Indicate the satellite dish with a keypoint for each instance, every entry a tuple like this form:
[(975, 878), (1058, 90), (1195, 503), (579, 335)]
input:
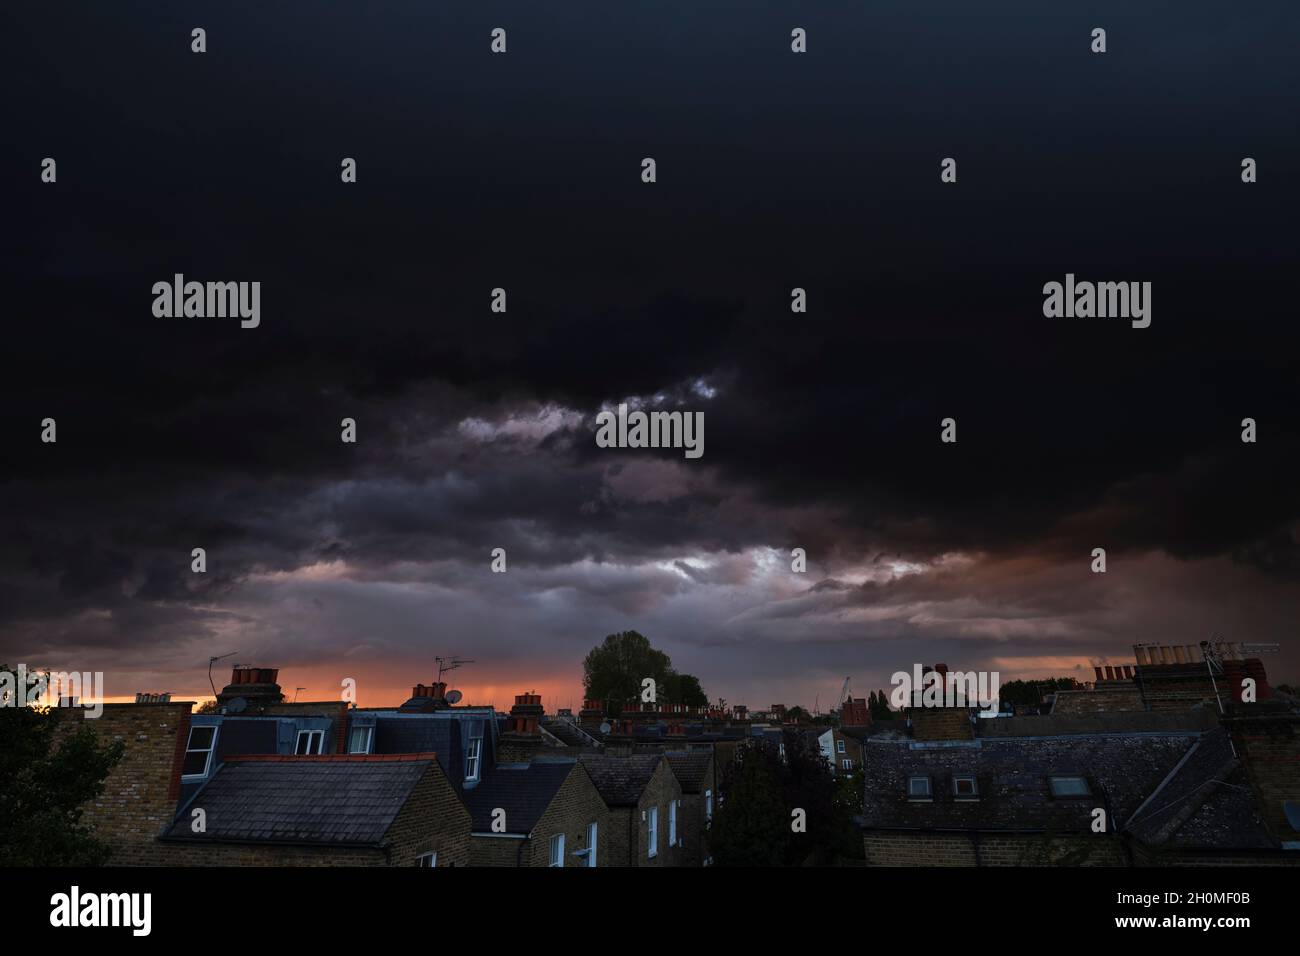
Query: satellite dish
[(605, 728), (237, 706), (453, 696)]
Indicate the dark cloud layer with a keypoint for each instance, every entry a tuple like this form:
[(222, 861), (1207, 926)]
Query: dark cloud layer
[(476, 428)]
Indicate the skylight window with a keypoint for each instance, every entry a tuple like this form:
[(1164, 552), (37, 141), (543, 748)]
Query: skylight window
[(1069, 787), (918, 788)]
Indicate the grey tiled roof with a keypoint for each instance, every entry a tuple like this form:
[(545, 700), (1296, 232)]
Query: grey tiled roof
[(689, 767), (621, 780), (316, 800), (1012, 777), (1205, 804), (524, 791)]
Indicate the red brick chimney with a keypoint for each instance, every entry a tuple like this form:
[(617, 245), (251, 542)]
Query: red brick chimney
[(437, 690), (255, 685), (522, 738), (1236, 671)]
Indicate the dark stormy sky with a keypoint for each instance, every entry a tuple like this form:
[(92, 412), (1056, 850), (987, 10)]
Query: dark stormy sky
[(476, 429)]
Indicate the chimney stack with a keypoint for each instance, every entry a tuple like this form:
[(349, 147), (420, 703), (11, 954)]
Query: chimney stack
[(522, 738), (256, 685)]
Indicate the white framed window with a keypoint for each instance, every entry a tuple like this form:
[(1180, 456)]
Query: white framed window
[(557, 850), (708, 806), (592, 844), (309, 742), (839, 746), (198, 751), (359, 740), (653, 840), (1069, 787), (474, 758), (427, 859), (672, 822), (965, 788), (848, 764), (918, 788)]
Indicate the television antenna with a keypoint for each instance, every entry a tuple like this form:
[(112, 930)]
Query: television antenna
[(450, 664), (213, 660), (295, 693)]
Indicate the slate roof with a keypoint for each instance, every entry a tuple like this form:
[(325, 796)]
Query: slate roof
[(1206, 803), (621, 780), (1012, 774), (329, 800), (689, 767), (524, 791)]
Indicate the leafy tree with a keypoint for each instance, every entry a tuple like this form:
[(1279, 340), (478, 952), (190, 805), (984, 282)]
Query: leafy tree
[(753, 826), (797, 714), (614, 670), (48, 772), (683, 689)]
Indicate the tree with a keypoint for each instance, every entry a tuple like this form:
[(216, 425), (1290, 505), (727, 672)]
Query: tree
[(684, 689), (797, 714), (615, 669), (48, 772), (753, 825)]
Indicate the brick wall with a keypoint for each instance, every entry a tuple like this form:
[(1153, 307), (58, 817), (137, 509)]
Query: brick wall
[(252, 854), (886, 848), (941, 723), (1105, 700), (496, 850), (661, 789), (433, 819), (576, 804), (139, 798), (1269, 747)]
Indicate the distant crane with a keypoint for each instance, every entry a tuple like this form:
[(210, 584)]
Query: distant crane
[(846, 691)]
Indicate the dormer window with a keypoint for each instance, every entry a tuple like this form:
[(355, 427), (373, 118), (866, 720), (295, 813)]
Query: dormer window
[(309, 742), (918, 788), (198, 751), (359, 740), (1069, 786), (965, 788), (474, 758)]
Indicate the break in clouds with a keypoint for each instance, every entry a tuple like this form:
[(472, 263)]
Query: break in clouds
[(372, 564)]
